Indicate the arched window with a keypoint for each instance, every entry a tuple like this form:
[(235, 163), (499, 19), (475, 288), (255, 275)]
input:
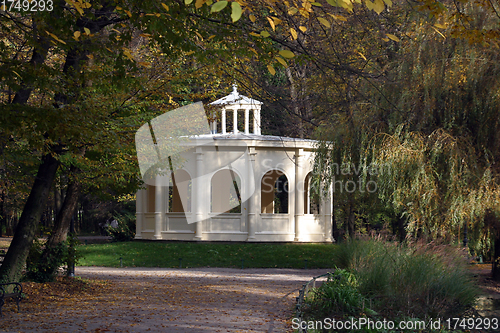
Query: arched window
[(179, 192), (274, 193), (311, 196), (225, 192)]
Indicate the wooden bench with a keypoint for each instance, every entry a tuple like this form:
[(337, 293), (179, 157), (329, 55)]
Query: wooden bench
[(10, 290)]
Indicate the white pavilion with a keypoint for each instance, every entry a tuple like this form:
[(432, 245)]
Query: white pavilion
[(235, 184)]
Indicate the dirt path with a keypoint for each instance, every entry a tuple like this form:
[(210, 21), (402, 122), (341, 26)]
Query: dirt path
[(167, 300)]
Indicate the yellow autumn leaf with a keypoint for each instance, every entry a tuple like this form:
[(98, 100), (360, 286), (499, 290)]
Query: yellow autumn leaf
[(199, 3), (271, 70), (391, 36), (55, 37), (127, 53), (378, 6), (440, 26), (218, 6), (388, 3), (236, 11), (271, 23), (76, 35), (252, 18), (76, 5), (282, 61), (165, 6), (302, 28), (324, 22), (286, 54), (265, 33), (87, 31), (439, 32), (254, 34), (339, 17), (294, 33)]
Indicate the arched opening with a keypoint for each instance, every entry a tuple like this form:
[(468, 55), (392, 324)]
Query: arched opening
[(225, 192), (274, 193), (179, 192), (311, 196)]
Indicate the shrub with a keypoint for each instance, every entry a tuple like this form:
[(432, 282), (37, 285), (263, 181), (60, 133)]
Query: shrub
[(338, 296), (418, 280), (124, 230), (40, 269)]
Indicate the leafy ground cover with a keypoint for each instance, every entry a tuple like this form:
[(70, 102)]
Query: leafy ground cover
[(188, 254)]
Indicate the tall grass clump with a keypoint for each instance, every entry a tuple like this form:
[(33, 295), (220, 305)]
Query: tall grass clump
[(416, 280), (338, 296)]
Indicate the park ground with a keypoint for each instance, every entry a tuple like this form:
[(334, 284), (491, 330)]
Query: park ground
[(160, 300), (136, 299)]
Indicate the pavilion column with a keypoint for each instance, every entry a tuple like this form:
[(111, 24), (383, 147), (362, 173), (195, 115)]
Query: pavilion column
[(198, 190), (140, 209), (247, 124), (235, 121), (159, 208), (223, 121), (299, 192), (252, 197), (256, 120)]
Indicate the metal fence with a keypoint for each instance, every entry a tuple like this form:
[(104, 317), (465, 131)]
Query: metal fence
[(303, 292)]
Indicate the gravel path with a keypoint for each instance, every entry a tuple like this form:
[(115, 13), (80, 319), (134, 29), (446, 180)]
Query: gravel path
[(174, 300)]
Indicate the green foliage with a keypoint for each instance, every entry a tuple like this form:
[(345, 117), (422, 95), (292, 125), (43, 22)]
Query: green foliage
[(419, 280), (39, 270), (124, 229), (338, 296)]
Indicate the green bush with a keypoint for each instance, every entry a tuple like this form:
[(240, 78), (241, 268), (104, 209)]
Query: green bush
[(417, 280), (40, 269), (124, 229), (338, 296)]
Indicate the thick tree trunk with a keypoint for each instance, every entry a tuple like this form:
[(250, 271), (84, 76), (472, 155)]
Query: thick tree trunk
[(50, 259), (495, 269), (61, 227), (492, 222), (15, 258)]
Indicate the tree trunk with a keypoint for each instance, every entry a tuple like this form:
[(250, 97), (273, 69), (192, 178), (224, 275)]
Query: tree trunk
[(401, 229), (351, 220), (61, 227), (495, 269), (50, 259), (13, 264)]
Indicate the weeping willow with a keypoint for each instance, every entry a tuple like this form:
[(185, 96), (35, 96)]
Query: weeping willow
[(439, 142)]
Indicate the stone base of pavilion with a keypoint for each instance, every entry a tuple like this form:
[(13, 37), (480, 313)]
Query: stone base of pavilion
[(233, 228)]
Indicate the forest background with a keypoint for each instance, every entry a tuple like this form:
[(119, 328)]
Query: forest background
[(408, 88)]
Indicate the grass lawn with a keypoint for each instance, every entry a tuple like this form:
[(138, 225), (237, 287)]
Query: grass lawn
[(160, 254)]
